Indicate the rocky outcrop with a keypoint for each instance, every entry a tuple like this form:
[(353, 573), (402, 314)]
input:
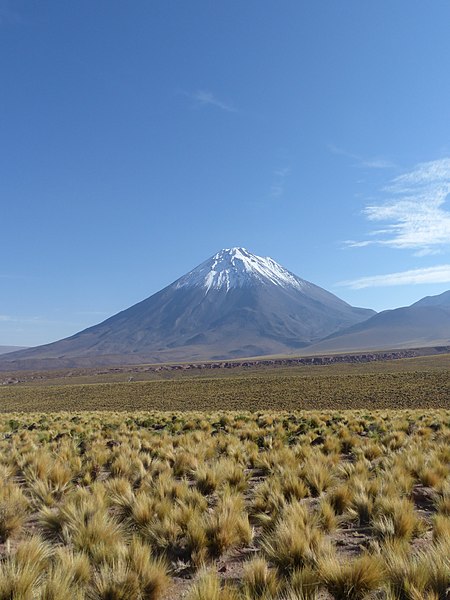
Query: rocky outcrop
[(366, 357)]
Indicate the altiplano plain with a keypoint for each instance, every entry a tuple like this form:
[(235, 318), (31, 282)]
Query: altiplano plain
[(270, 483)]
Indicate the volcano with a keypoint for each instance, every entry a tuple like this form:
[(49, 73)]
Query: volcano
[(235, 304)]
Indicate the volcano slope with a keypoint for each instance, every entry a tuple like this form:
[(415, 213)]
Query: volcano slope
[(235, 304)]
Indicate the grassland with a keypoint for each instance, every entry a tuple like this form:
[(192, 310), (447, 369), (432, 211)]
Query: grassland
[(299, 483), (225, 505), (409, 383)]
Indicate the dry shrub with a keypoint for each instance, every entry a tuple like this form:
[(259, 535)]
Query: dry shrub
[(185, 463), (304, 584), (415, 575), (207, 479), (22, 573), (99, 537), (13, 511), (340, 498), (74, 564), (259, 581), (327, 518), (151, 572), (228, 525), (114, 581), (293, 487), (123, 497), (351, 580), (317, 473), (295, 540), (208, 587), (59, 585), (267, 502), (396, 518), (362, 508)]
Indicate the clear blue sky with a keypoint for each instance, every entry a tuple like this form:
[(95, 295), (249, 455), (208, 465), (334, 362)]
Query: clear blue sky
[(138, 138)]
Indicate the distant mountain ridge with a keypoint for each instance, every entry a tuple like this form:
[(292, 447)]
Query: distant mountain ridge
[(442, 300), (8, 349), (235, 304), (424, 323)]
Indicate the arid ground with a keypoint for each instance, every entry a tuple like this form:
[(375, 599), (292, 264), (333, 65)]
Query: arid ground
[(272, 483)]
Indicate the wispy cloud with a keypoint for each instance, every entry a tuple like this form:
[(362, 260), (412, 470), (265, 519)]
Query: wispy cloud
[(414, 211), (37, 320), (204, 98), (439, 274), (277, 188), (360, 161), (14, 319), (377, 163)]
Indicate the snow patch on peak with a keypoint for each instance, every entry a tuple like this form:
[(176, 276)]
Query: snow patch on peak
[(236, 268)]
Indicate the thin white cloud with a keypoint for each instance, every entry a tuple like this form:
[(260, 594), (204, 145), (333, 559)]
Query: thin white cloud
[(205, 98), (415, 211), (355, 244), (439, 274), (360, 161), (13, 319), (433, 172), (377, 163), (34, 320), (277, 187)]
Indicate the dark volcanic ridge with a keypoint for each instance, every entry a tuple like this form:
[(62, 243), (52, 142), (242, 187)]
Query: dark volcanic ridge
[(235, 304)]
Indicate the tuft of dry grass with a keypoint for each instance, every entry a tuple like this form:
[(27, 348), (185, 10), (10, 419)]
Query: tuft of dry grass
[(295, 541), (351, 580), (13, 511), (304, 584), (228, 525), (396, 518), (208, 587), (418, 575), (259, 581)]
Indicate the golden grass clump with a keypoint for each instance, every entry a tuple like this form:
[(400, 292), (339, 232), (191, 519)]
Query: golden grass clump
[(395, 518), (304, 584), (228, 525), (21, 573), (208, 587), (420, 574), (295, 541), (318, 474), (13, 511), (351, 580), (259, 581)]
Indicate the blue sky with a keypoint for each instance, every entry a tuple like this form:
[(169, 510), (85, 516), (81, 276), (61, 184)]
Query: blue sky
[(138, 138)]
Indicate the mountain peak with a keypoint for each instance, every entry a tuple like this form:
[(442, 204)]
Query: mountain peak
[(236, 268), (234, 304)]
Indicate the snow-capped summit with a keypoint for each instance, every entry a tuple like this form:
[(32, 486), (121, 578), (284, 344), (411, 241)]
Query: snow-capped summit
[(237, 267)]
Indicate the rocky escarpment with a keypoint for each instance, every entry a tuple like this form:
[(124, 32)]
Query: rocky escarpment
[(17, 377)]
